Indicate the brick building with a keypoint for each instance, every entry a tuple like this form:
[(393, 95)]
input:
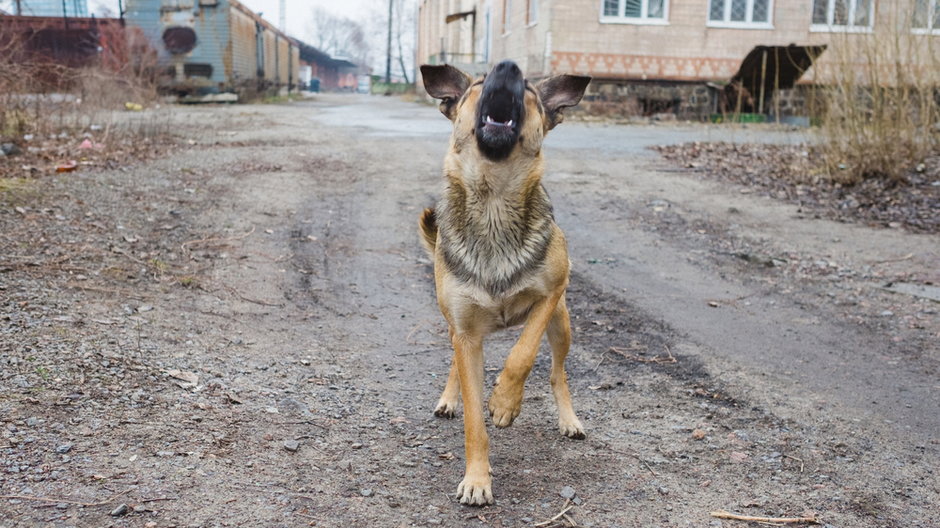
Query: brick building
[(653, 55)]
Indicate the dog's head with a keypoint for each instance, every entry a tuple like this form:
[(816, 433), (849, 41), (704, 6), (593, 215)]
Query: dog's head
[(502, 111)]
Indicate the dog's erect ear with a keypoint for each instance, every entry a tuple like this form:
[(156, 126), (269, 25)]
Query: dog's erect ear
[(447, 84), (560, 92)]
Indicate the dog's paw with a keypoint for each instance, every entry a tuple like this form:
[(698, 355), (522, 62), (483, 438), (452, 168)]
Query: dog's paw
[(572, 429), (505, 405), (475, 491), (445, 409)]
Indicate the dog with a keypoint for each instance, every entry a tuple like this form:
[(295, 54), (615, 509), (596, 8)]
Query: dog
[(499, 258)]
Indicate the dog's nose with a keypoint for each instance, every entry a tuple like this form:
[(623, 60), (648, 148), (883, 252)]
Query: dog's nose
[(506, 76), (507, 68)]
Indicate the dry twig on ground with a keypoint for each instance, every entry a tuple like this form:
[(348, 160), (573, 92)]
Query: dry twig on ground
[(623, 352), (556, 517), (721, 514), (62, 501)]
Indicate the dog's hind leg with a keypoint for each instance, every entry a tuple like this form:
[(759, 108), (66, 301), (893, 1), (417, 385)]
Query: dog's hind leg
[(506, 401), (559, 337), (447, 404)]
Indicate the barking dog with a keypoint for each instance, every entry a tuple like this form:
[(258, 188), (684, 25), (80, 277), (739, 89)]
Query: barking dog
[(499, 258)]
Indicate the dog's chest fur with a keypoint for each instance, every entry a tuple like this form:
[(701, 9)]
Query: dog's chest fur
[(494, 238)]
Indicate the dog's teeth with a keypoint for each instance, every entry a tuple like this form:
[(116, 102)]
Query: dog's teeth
[(490, 121)]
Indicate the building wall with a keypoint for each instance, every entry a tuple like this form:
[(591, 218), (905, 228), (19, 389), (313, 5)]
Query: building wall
[(650, 69), (525, 40), (685, 48), (569, 36), (453, 40)]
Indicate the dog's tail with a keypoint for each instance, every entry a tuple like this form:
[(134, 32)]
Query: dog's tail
[(428, 227)]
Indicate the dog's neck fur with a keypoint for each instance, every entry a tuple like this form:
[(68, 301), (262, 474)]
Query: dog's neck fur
[(495, 220)]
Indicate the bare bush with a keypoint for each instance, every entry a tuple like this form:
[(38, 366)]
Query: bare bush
[(41, 97), (881, 98)]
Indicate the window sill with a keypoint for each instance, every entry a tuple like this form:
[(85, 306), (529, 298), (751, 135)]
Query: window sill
[(531, 24), (825, 28), (925, 31), (739, 25), (635, 21)]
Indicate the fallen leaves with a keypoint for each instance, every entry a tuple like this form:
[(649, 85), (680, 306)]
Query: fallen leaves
[(796, 174), (68, 166)]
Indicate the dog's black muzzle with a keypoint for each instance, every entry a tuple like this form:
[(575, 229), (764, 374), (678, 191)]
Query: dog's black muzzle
[(501, 110)]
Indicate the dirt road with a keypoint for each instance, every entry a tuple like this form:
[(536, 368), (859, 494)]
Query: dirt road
[(244, 333)]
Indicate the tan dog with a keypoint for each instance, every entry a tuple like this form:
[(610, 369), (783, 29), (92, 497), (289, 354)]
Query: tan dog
[(499, 258)]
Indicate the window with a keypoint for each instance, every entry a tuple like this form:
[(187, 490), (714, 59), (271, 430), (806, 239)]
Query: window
[(740, 13), (532, 13), (843, 15), (926, 16), (635, 11)]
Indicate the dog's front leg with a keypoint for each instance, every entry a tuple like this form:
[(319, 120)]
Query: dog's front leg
[(506, 401), (477, 485)]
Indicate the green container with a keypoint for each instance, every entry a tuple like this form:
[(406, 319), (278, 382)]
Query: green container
[(738, 118)]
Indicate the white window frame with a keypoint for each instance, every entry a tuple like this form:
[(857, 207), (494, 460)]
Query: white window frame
[(830, 27), (532, 13), (642, 20), (932, 7), (728, 23)]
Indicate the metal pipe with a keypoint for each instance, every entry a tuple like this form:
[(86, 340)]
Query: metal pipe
[(763, 81), (388, 56)]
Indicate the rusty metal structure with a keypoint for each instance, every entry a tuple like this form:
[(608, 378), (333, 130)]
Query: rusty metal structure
[(215, 46), (330, 74), (67, 42)]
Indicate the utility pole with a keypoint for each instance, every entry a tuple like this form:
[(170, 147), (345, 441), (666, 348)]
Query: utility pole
[(19, 8), (388, 56), (283, 16)]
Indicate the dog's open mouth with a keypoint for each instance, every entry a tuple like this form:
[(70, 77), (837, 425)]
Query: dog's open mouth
[(495, 131), (501, 110)]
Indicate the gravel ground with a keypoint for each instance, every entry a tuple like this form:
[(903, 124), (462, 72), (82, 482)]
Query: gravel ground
[(242, 331)]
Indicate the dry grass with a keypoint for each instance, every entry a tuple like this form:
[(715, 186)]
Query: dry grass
[(882, 101), (14, 186), (41, 99)]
